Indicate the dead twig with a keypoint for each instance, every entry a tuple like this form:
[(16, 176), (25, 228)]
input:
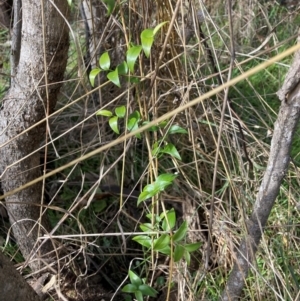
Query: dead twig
[(285, 126)]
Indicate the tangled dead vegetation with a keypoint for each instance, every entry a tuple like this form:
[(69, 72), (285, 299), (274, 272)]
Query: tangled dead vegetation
[(194, 60)]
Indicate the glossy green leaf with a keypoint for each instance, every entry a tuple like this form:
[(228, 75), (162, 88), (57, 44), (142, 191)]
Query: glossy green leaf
[(192, 247), (176, 129), (120, 111), (171, 150), (160, 281), (163, 124), (147, 290), (158, 27), (110, 6), (113, 123), (157, 218), (181, 232), (187, 257), (144, 195), (178, 252), (149, 216), (143, 240), (155, 149), (134, 80), (166, 250), (129, 288), (113, 76), (133, 122), (169, 220), (159, 185), (138, 296), (153, 128), (147, 38), (132, 55), (98, 207), (93, 75), (134, 278), (122, 68), (147, 227), (161, 242), (164, 180), (105, 113), (104, 61)]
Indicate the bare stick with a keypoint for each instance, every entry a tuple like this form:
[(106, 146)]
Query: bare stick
[(278, 163)]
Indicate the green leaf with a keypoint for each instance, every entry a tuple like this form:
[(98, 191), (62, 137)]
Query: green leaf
[(171, 150), (99, 206), (187, 257), (113, 123), (132, 55), (134, 80), (161, 242), (160, 281), (70, 2), (105, 113), (181, 232), (146, 227), (143, 240), (153, 128), (149, 216), (178, 252), (135, 279), (176, 129), (120, 111), (129, 288), (156, 149), (166, 250), (147, 290), (163, 181), (110, 5), (138, 296), (133, 122), (193, 247), (171, 219), (113, 76), (122, 68), (157, 218), (159, 185), (93, 75), (147, 38), (148, 192), (163, 124), (158, 27), (104, 61)]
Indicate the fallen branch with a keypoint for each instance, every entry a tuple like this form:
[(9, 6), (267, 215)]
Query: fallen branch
[(285, 126)]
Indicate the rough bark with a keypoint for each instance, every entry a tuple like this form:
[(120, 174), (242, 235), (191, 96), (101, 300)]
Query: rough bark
[(33, 95), (13, 287), (285, 126)]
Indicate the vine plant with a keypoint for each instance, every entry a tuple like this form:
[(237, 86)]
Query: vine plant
[(167, 240)]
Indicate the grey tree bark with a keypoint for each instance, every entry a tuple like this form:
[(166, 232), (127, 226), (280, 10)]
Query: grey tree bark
[(31, 97), (13, 286), (285, 126)]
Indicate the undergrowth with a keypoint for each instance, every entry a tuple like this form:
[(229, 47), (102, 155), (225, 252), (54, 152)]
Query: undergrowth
[(96, 222)]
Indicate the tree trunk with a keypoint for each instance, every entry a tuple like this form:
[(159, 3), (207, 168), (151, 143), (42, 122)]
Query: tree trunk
[(32, 96), (284, 130), (13, 287)]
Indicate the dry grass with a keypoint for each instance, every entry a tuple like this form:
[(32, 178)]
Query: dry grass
[(215, 169)]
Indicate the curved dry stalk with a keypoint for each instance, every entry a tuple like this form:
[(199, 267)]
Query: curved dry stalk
[(285, 126)]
